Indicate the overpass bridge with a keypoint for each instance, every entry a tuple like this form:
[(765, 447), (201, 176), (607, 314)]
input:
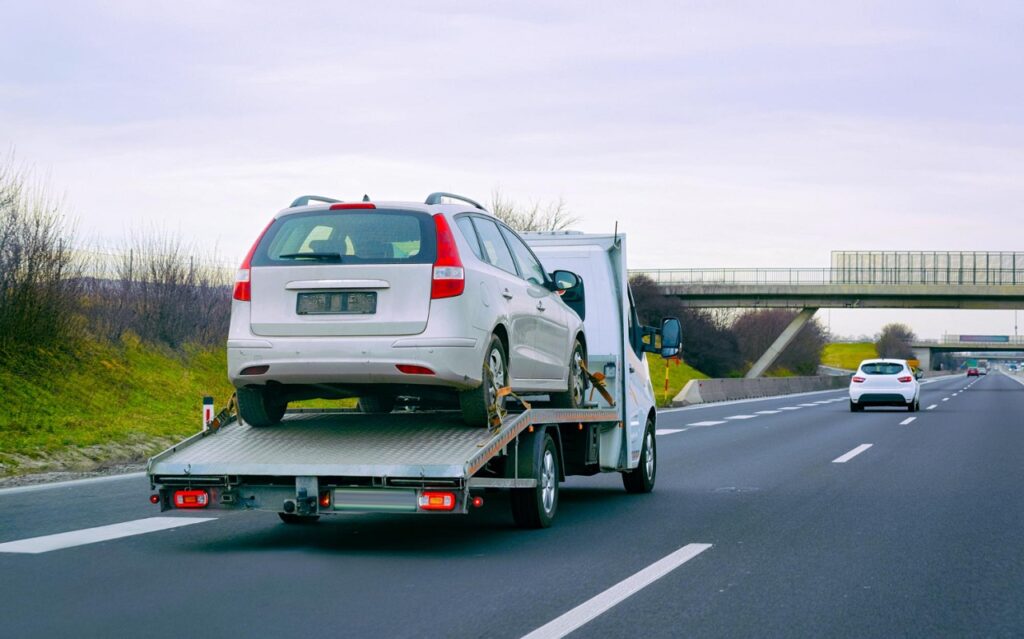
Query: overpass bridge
[(856, 279), (1001, 346)]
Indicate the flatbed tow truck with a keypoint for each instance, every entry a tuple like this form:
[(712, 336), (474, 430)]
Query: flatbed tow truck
[(318, 462)]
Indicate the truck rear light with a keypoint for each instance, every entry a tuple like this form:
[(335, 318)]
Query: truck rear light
[(449, 278), (858, 380), (154, 499), (412, 369), (196, 498), (906, 379), (353, 205), (255, 370), (243, 287), (437, 500)]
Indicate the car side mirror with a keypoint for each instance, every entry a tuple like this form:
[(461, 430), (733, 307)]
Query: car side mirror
[(671, 337), (564, 280)]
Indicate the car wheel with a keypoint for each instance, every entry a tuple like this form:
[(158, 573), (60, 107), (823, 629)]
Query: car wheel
[(855, 408), (475, 403), (260, 407), (376, 404), (575, 395), (641, 479)]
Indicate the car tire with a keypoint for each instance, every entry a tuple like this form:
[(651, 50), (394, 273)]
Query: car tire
[(575, 394), (536, 507), (475, 402), (376, 404), (641, 479), (855, 408), (260, 407)]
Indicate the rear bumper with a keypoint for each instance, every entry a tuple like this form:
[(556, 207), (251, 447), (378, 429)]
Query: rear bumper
[(880, 397)]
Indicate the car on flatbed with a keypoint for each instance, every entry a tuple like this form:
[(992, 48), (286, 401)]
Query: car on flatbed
[(884, 382), (436, 300)]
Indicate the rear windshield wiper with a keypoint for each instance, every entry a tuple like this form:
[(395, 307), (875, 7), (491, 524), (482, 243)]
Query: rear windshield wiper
[(310, 256)]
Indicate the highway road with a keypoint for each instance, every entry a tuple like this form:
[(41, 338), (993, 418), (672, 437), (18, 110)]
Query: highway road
[(772, 518)]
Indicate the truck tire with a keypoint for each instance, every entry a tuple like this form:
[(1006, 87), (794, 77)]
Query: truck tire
[(376, 404), (641, 479), (575, 395), (475, 402), (536, 507), (259, 407), (292, 518)]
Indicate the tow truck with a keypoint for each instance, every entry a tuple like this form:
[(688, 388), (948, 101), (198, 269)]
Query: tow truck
[(322, 462)]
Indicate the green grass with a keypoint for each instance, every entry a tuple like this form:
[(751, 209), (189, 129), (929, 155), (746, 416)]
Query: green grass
[(104, 395), (848, 355), (679, 372)]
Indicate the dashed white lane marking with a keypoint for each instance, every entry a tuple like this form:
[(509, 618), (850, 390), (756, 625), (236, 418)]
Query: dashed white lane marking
[(36, 545), (842, 459), (789, 408), (907, 421), (709, 423), (945, 399), (741, 417), (954, 394), (768, 412), (808, 405), (615, 595), (827, 401), (931, 407), (668, 431)]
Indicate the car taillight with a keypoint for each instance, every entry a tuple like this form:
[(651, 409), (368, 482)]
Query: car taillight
[(352, 205), (906, 378), (449, 279), (858, 380), (243, 287), (437, 500), (412, 369)]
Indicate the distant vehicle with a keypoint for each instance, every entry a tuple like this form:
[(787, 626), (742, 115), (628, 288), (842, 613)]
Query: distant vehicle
[(972, 372), (983, 370), (380, 300), (884, 382)]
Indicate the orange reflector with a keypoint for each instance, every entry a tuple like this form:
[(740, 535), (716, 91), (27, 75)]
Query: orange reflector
[(478, 502), (325, 499), (154, 499), (197, 498), (436, 500)]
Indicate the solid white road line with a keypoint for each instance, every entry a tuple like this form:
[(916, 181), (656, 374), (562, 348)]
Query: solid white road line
[(850, 455), (71, 483), (615, 595), (907, 421), (36, 545), (742, 417), (710, 423), (768, 412), (668, 431), (931, 407)]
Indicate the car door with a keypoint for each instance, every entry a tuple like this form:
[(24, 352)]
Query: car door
[(550, 339), (514, 291)]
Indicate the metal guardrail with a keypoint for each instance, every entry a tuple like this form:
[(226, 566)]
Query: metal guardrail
[(830, 276)]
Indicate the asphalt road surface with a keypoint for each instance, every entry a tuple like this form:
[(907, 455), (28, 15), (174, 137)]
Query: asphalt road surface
[(771, 518)]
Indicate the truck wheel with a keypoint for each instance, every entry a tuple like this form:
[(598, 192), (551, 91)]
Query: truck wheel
[(376, 403), (475, 402), (259, 407), (575, 395), (536, 507), (292, 518), (641, 479)]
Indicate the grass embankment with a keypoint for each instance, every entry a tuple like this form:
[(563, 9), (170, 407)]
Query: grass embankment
[(104, 405), (679, 372), (848, 355)]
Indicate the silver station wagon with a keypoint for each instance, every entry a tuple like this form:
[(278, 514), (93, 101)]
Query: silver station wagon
[(437, 301)]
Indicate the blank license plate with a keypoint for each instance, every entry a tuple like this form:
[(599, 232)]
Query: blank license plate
[(336, 303)]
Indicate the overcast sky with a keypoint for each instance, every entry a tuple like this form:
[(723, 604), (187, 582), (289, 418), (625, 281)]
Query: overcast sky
[(716, 133)]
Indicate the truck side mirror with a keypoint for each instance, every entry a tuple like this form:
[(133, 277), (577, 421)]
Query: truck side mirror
[(671, 337)]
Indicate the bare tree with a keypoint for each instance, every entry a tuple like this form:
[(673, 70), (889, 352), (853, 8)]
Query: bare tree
[(553, 216), (894, 341)]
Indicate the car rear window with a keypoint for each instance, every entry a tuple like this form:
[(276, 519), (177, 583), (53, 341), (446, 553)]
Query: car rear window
[(348, 237), (881, 368)]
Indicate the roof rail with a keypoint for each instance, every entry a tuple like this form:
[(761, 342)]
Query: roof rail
[(435, 198), (306, 199)]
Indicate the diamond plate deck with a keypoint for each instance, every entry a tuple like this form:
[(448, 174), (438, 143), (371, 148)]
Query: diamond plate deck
[(432, 445)]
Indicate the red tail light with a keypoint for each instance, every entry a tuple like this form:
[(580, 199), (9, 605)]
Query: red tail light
[(191, 498), (858, 380), (243, 287), (449, 277), (906, 379), (353, 205), (412, 369), (437, 500)]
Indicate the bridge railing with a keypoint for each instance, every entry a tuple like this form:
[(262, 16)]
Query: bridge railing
[(825, 276)]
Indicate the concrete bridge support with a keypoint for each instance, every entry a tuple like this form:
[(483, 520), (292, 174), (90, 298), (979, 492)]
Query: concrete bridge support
[(765, 361), (923, 355)]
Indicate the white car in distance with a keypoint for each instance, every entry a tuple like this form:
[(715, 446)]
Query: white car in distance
[(437, 300), (884, 382)]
